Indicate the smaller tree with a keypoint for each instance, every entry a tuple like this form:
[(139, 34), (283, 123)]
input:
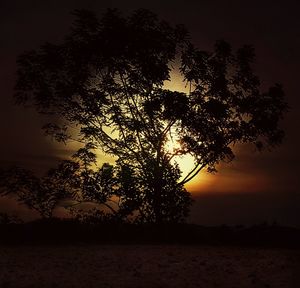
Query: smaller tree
[(40, 194)]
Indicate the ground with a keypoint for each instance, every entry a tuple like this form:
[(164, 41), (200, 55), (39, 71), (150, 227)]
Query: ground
[(147, 266)]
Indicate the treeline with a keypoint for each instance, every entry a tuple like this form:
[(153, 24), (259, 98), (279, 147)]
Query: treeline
[(71, 231)]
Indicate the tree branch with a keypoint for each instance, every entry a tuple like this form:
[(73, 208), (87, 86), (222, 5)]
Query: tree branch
[(187, 179)]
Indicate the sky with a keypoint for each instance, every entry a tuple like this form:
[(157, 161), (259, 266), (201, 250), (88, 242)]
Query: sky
[(255, 187)]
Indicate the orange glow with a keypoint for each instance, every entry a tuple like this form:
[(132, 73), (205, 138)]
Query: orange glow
[(229, 180)]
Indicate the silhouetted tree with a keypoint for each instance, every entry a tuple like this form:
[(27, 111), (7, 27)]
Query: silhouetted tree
[(40, 193), (72, 182), (107, 79)]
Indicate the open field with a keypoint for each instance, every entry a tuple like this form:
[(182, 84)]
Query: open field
[(147, 266)]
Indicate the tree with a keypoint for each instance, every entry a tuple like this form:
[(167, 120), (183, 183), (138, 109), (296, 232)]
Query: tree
[(106, 80), (41, 194)]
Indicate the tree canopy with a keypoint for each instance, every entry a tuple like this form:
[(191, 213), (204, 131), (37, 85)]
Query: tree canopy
[(104, 85)]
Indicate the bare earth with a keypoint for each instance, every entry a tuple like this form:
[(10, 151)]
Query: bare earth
[(147, 266)]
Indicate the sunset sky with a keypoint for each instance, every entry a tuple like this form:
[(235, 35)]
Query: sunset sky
[(255, 187)]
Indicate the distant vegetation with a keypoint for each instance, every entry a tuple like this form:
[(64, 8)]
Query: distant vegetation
[(75, 231)]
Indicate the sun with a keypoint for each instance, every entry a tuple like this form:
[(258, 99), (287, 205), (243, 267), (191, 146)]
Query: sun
[(186, 164)]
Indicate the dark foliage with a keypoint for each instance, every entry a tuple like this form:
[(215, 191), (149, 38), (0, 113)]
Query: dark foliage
[(39, 193), (107, 80)]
